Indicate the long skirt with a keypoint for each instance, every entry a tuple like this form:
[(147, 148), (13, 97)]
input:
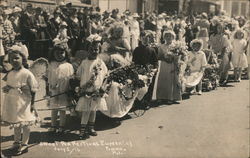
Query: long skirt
[(225, 66), (166, 83)]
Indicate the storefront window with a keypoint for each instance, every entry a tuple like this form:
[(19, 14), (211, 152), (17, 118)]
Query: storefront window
[(235, 8), (243, 8)]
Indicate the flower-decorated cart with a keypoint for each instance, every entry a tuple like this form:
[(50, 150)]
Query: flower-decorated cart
[(120, 89)]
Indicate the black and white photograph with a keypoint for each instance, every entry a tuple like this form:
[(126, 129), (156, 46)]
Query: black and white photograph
[(125, 78)]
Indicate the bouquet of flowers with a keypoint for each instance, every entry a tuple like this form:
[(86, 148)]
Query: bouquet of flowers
[(82, 91), (179, 55)]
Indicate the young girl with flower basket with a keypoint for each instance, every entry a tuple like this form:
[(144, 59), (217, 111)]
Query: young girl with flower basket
[(91, 73), (18, 108)]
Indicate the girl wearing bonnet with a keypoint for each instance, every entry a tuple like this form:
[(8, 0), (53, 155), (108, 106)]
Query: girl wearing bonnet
[(166, 86)]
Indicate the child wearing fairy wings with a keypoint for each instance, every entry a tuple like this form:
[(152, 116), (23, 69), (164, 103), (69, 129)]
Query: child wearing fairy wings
[(18, 107), (91, 73), (59, 73)]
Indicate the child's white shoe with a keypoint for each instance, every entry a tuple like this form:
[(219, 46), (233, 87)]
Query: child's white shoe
[(52, 129), (199, 93)]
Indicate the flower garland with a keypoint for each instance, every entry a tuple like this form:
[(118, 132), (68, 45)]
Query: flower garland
[(82, 91), (129, 76)]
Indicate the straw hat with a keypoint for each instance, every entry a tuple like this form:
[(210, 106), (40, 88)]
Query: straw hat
[(17, 9), (135, 15)]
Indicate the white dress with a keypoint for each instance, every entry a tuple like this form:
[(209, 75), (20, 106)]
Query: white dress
[(17, 102), (59, 74), (135, 33), (84, 72), (239, 58)]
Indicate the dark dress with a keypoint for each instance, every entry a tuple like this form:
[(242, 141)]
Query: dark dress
[(28, 22), (145, 55)]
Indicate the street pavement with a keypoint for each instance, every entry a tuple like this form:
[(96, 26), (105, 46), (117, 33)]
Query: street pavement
[(213, 125)]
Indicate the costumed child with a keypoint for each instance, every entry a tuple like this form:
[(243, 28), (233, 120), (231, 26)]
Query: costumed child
[(239, 58), (59, 73), (18, 108), (197, 62), (91, 73)]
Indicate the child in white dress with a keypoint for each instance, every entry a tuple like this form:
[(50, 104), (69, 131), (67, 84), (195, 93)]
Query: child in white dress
[(197, 61), (59, 74), (18, 107), (91, 73), (239, 58)]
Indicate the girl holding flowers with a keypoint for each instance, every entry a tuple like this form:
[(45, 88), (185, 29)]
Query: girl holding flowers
[(168, 79), (91, 73)]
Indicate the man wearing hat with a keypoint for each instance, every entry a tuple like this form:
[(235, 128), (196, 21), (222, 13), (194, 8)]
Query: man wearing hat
[(15, 20), (73, 29), (29, 28), (114, 14), (55, 23), (105, 15)]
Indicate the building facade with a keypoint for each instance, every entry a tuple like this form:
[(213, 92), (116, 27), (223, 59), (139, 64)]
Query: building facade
[(236, 7)]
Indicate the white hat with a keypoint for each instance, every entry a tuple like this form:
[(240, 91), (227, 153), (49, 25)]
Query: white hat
[(94, 38), (7, 11), (135, 15), (197, 41), (21, 48), (63, 24), (17, 9), (62, 4), (160, 16)]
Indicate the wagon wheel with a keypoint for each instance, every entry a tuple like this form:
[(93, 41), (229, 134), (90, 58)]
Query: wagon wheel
[(139, 112), (138, 109)]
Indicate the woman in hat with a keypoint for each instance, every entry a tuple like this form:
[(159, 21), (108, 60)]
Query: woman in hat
[(116, 44), (203, 27), (166, 87), (8, 31), (135, 31)]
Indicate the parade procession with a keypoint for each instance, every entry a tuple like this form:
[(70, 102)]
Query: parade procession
[(85, 64)]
